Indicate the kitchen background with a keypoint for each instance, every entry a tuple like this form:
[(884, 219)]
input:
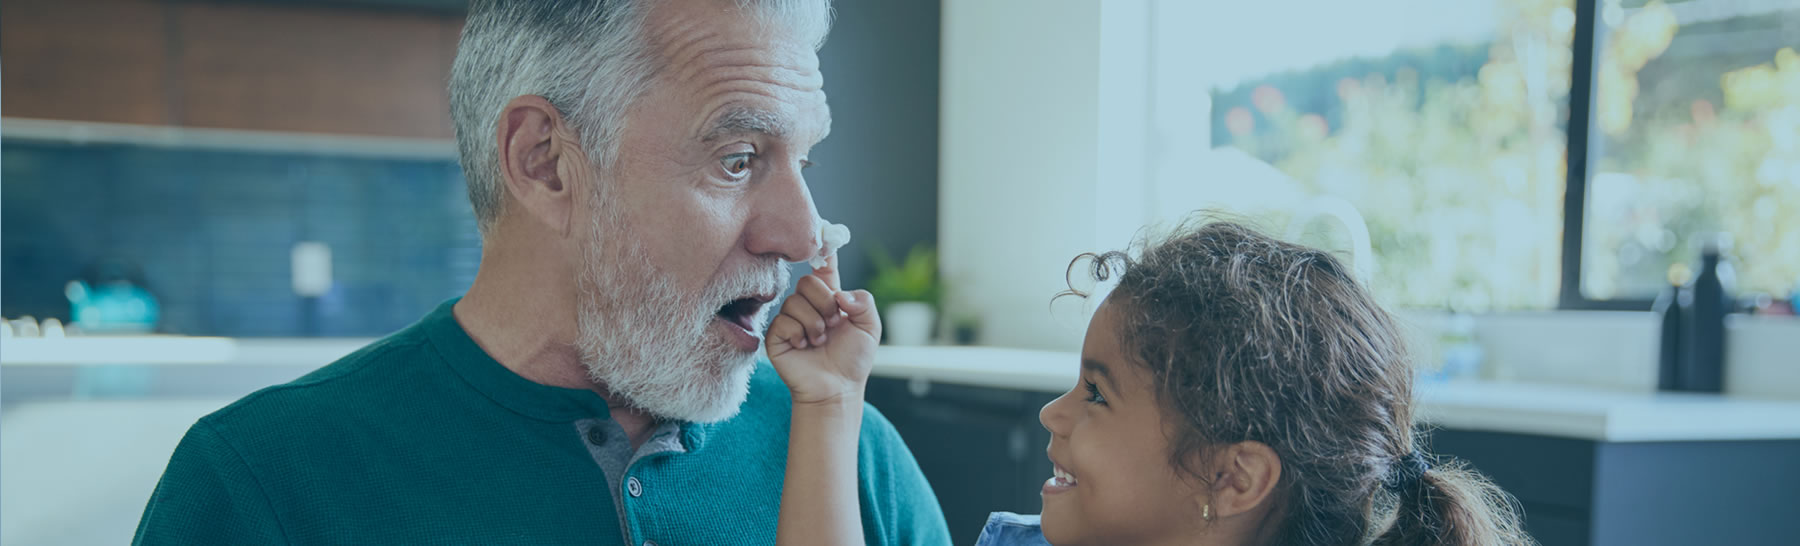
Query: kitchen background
[(201, 198)]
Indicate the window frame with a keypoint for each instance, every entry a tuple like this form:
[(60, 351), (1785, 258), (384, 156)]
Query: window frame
[(1579, 135)]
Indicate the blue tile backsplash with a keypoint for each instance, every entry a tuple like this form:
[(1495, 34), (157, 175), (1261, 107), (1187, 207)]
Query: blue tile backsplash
[(211, 233)]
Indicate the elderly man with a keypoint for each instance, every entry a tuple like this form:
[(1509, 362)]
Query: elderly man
[(636, 171)]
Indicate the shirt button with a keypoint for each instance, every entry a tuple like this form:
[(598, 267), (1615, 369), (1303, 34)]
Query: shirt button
[(649, 543), (596, 436), (635, 487)]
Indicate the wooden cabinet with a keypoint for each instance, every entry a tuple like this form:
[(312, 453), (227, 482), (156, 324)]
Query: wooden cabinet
[(229, 65), (97, 60)]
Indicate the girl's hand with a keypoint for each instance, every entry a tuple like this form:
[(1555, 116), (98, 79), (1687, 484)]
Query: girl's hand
[(823, 342)]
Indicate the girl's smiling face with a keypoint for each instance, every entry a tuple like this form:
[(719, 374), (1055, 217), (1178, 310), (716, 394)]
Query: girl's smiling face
[(1110, 445)]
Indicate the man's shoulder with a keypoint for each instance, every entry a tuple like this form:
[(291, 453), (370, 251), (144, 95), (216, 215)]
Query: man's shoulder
[(352, 384)]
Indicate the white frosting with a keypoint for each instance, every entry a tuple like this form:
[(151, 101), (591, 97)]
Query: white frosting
[(835, 237)]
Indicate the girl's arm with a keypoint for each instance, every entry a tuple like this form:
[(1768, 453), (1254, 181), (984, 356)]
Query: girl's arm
[(823, 345)]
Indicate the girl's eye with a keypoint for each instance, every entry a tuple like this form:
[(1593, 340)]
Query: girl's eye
[(1094, 395), (737, 165)]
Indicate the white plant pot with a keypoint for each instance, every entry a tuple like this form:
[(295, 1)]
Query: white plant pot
[(908, 322)]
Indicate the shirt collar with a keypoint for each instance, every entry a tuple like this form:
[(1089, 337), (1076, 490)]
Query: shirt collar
[(499, 383), (523, 396)]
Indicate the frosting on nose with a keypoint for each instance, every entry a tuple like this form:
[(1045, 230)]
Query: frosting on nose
[(835, 236)]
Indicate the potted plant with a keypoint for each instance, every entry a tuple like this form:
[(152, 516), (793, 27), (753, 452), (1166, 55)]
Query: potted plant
[(907, 293)]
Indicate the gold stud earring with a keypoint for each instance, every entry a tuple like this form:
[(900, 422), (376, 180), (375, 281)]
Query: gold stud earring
[(1206, 512)]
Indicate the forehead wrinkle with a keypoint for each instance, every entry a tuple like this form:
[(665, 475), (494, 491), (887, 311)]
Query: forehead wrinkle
[(729, 67), (736, 113), (726, 68), (685, 41), (676, 39)]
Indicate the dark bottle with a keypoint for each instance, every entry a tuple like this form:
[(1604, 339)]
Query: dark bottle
[(1672, 355), (1704, 320)]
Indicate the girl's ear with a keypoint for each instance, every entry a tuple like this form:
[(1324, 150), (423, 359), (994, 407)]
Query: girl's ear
[(1243, 478)]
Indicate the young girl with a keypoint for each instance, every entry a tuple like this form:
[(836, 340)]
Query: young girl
[(1234, 389)]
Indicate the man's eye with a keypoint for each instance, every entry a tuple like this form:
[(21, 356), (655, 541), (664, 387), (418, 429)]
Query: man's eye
[(737, 165)]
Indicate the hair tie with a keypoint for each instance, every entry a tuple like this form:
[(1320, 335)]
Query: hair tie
[(1405, 472)]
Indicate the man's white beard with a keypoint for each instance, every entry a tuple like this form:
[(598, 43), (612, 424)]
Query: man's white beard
[(647, 343)]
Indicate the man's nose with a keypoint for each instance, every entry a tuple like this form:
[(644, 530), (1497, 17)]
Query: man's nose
[(784, 222)]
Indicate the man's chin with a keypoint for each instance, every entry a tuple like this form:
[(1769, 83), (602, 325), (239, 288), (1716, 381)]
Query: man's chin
[(713, 390), (704, 382), (728, 394)]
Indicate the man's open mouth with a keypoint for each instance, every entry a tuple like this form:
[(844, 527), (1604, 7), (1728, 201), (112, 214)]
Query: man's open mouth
[(743, 311)]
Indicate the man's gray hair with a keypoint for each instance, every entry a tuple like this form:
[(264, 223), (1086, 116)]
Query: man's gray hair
[(589, 58)]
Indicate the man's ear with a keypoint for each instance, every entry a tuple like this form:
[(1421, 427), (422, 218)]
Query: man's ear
[(1244, 476), (534, 141)]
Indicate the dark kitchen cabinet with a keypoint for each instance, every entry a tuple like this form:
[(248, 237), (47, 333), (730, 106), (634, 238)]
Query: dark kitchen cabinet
[(1584, 492), (982, 450)]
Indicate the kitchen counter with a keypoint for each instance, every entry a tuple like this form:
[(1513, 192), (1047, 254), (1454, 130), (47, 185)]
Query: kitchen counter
[(1546, 410), (175, 350)]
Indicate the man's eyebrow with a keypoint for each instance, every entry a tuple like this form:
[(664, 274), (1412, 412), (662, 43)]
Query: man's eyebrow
[(740, 120)]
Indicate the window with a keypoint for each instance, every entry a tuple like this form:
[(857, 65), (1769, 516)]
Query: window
[(1483, 181), (1695, 131), (1442, 123)]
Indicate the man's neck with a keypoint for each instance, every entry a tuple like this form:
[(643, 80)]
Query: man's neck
[(523, 316), (636, 423)]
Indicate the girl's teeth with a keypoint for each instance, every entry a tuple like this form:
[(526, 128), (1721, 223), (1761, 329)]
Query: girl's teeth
[(1064, 477)]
